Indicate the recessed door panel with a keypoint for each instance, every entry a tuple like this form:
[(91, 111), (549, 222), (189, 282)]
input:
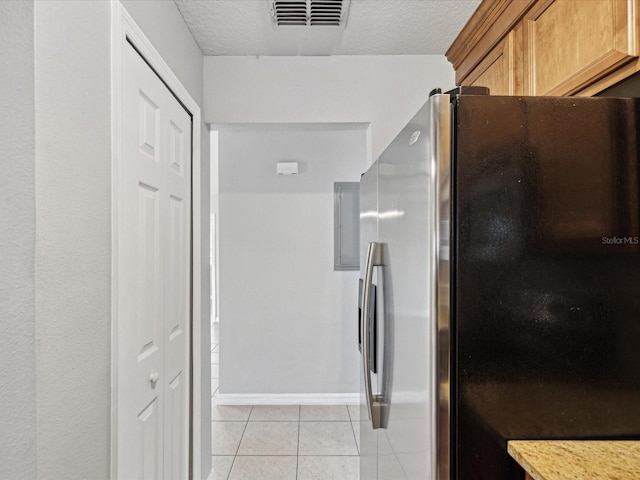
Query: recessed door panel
[(175, 259), (149, 123), (176, 149), (149, 280)]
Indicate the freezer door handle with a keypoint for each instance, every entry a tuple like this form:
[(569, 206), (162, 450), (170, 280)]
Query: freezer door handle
[(376, 404)]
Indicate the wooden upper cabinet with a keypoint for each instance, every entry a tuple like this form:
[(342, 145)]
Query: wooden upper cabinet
[(548, 47), (497, 70), (488, 51), (571, 43)]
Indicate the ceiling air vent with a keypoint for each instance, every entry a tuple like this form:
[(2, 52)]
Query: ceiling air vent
[(309, 13)]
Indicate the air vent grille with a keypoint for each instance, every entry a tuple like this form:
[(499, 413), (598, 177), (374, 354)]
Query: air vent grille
[(290, 12), (326, 12), (331, 13)]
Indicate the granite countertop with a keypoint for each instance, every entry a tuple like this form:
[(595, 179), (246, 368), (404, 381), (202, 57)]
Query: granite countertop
[(573, 460)]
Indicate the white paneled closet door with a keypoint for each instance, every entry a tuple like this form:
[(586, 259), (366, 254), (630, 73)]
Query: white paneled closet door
[(154, 239)]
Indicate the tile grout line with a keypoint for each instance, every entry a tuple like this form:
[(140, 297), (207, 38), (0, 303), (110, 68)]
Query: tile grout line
[(298, 445), (231, 468), (353, 430), (239, 443), (298, 450)]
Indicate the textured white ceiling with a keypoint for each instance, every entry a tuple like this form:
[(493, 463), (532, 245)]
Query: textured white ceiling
[(374, 27)]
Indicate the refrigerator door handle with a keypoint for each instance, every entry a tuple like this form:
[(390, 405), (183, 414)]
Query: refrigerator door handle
[(376, 404)]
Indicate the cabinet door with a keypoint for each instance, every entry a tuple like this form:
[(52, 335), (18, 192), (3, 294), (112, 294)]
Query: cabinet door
[(498, 69), (569, 44)]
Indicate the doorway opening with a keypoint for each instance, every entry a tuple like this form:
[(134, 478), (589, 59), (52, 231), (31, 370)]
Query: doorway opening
[(285, 360)]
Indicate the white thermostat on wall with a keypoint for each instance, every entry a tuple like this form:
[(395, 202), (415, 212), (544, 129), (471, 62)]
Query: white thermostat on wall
[(287, 168)]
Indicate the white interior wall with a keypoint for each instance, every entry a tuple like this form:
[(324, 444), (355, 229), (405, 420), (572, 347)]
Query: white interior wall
[(17, 243), (73, 238), (384, 90), (288, 321)]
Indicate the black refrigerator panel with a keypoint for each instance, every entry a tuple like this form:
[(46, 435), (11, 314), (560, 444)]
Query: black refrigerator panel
[(546, 268)]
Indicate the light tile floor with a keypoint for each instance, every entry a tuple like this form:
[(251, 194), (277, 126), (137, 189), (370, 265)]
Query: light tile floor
[(281, 442)]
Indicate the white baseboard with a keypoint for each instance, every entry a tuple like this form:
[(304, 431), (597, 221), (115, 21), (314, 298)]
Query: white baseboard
[(288, 398)]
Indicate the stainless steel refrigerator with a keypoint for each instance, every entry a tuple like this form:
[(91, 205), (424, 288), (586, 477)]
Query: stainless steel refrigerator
[(500, 235)]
